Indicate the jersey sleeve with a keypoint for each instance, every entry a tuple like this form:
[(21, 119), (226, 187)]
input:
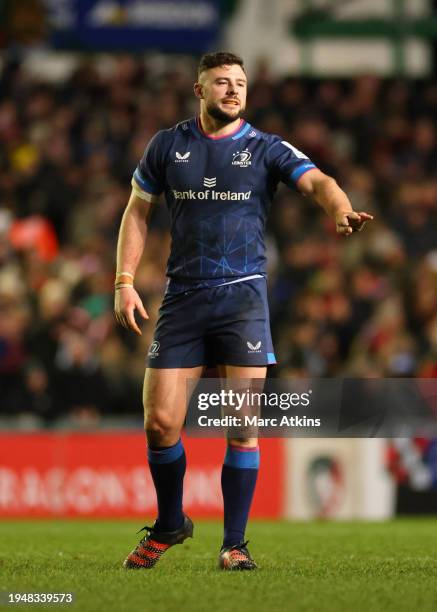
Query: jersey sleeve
[(286, 162), (150, 172)]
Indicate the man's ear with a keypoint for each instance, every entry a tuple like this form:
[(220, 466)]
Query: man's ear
[(198, 91)]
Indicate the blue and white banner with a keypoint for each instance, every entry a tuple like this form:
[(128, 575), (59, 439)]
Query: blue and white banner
[(189, 26)]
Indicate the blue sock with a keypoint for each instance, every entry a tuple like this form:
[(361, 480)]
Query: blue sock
[(167, 466), (239, 473)]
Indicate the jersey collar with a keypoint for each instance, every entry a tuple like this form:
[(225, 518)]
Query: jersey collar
[(238, 133)]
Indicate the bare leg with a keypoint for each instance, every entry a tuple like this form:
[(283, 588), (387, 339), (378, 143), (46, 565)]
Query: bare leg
[(238, 373), (165, 403)]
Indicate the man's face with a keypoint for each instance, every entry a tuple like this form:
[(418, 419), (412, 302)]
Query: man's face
[(223, 90)]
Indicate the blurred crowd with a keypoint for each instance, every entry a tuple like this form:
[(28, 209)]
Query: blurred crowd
[(365, 305)]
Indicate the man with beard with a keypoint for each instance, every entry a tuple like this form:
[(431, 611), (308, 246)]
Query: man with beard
[(219, 175)]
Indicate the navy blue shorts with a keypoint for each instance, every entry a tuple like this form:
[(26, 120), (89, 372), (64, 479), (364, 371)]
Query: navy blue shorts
[(224, 325)]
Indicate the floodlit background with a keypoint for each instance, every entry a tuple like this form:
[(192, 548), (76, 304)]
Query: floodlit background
[(83, 87)]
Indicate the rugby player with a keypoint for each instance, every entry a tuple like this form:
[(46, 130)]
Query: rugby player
[(219, 175)]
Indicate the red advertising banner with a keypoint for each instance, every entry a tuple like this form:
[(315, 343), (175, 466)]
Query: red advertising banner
[(106, 475)]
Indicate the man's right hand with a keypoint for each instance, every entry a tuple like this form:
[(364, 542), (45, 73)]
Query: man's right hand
[(125, 303)]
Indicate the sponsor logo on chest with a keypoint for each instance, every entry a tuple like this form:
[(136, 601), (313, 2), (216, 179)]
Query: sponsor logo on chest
[(210, 193)]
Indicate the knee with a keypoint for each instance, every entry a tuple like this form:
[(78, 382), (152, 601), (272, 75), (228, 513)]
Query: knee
[(161, 429)]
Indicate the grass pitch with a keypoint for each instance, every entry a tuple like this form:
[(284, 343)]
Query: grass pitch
[(319, 566)]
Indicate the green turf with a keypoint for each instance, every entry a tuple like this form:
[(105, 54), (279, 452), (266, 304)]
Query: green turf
[(303, 566)]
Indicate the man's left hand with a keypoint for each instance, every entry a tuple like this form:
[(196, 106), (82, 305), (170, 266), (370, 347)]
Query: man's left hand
[(349, 222)]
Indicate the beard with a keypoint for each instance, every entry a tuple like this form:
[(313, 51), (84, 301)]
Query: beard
[(223, 117)]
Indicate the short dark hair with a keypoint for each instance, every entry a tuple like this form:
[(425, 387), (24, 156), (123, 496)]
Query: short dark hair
[(219, 58)]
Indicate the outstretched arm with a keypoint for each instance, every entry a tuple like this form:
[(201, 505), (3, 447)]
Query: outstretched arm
[(130, 246), (326, 192)]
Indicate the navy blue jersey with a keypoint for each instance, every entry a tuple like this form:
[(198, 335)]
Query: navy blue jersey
[(218, 192)]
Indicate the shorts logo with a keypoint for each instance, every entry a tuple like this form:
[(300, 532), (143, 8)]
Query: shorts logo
[(254, 348), (242, 158), (182, 158), (154, 349), (209, 182)]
